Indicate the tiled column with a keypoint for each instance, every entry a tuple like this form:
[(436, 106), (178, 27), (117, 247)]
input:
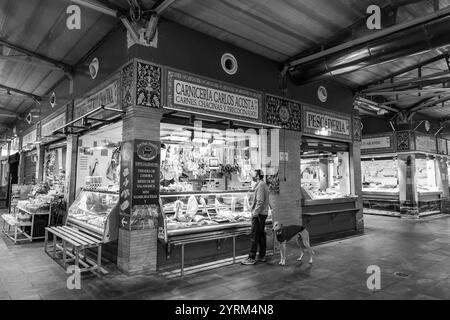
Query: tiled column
[(408, 186), (137, 250), (288, 208), (356, 184), (71, 171)]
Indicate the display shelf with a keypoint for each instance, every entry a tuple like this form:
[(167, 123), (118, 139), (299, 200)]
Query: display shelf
[(101, 206)]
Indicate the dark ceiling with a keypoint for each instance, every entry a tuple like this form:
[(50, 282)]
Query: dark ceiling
[(279, 30)]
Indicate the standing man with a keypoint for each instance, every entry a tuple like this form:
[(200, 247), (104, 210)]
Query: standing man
[(260, 210)]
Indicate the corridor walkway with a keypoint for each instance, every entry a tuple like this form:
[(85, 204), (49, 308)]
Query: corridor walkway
[(418, 249)]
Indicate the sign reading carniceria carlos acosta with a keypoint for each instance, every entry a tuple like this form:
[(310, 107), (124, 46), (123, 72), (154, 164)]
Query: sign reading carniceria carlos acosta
[(191, 93)]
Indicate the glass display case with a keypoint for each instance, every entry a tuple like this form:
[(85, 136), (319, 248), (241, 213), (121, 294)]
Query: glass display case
[(199, 212), (325, 170), (96, 212), (380, 175), (426, 175)]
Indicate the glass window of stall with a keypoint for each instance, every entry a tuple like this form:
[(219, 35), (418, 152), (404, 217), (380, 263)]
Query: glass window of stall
[(426, 173), (98, 158), (207, 171), (380, 174), (324, 169)]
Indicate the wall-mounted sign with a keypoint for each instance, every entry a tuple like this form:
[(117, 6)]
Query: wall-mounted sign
[(322, 122), (48, 127), (448, 147), (108, 97), (191, 93), (426, 143), (282, 112), (376, 143), (441, 146), (29, 138)]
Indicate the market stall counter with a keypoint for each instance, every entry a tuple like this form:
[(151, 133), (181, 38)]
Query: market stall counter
[(206, 196), (328, 207), (91, 229), (401, 174)]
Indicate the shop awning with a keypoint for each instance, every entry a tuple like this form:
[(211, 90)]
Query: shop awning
[(89, 121)]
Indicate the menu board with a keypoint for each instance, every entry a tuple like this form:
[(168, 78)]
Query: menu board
[(139, 184), (146, 172)]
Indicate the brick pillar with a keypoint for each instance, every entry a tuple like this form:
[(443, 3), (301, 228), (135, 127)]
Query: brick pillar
[(40, 162), (71, 169), (137, 250), (288, 209), (409, 206), (355, 182)]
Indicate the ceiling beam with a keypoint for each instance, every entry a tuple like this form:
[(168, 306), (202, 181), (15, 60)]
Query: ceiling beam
[(292, 62), (61, 65), (10, 111), (99, 7), (160, 7), (408, 91), (388, 13), (24, 60), (429, 104), (397, 84), (33, 96), (406, 70)]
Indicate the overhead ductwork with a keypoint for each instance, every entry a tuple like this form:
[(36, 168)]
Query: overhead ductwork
[(406, 42)]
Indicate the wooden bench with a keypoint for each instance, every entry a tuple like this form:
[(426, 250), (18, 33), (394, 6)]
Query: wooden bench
[(72, 245)]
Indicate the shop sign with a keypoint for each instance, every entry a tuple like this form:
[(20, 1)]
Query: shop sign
[(139, 184), (448, 147), (376, 143), (48, 127), (324, 123), (189, 93), (107, 97), (29, 138), (441, 146), (426, 143)]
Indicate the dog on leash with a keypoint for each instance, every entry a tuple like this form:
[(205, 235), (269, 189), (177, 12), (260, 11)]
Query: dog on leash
[(286, 233)]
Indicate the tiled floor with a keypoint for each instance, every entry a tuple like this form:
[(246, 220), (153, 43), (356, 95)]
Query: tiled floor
[(421, 249)]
